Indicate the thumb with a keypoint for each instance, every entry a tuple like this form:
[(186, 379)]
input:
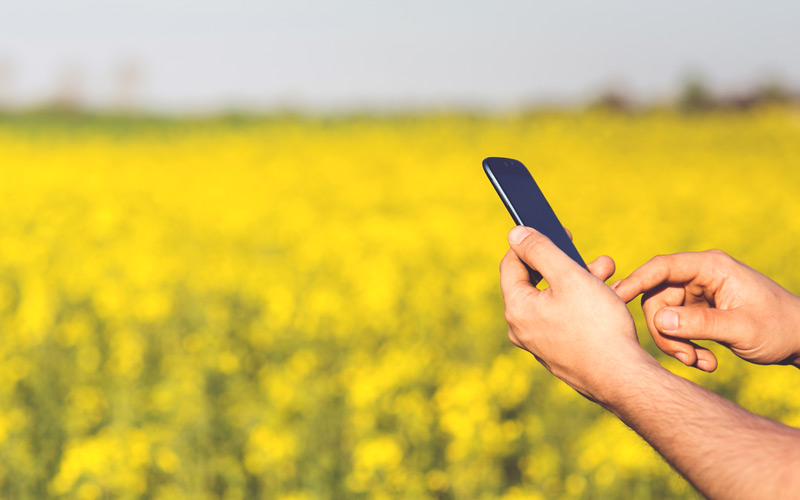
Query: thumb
[(541, 254), (696, 323)]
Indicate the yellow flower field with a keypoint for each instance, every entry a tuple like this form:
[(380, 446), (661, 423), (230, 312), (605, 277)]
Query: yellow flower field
[(298, 308)]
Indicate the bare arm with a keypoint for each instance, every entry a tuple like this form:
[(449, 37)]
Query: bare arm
[(725, 451), (580, 330)]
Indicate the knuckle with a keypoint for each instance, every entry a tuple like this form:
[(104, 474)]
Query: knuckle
[(656, 263), (718, 255), (719, 260), (535, 243), (708, 320)]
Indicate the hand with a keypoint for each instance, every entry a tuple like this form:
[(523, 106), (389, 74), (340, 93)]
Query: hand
[(577, 328), (711, 296)]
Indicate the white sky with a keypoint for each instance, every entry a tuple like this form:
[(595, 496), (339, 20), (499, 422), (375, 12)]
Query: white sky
[(207, 55)]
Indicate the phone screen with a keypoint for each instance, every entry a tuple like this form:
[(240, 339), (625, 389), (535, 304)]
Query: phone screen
[(526, 203)]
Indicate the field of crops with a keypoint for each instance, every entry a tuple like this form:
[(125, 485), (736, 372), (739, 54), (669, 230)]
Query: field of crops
[(292, 308)]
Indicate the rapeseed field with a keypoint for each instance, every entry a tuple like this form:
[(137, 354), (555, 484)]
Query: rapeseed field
[(308, 308)]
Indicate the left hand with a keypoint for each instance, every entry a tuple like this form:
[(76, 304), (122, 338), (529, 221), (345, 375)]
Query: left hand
[(712, 296), (578, 328)]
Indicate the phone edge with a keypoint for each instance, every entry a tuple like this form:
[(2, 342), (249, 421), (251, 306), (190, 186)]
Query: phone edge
[(509, 207), (514, 216)]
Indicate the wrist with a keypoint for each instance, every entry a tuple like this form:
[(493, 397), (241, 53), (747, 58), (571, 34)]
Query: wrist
[(627, 378)]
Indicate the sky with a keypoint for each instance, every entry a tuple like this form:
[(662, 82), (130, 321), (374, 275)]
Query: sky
[(188, 56)]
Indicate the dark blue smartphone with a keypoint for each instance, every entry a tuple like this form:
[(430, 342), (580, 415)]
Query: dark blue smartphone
[(527, 205)]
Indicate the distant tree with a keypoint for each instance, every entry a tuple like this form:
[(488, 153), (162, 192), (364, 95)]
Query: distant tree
[(773, 93), (695, 95), (613, 99), (742, 101)]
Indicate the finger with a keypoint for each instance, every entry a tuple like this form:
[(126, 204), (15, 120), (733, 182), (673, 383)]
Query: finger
[(603, 267), (698, 323), (706, 360), (543, 255), (514, 278), (652, 302), (672, 269), (569, 233)]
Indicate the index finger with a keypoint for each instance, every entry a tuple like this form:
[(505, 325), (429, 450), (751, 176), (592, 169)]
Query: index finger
[(675, 269)]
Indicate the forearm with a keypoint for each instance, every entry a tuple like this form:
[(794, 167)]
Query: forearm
[(725, 451)]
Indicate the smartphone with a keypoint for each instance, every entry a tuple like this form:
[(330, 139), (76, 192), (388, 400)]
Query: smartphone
[(527, 205)]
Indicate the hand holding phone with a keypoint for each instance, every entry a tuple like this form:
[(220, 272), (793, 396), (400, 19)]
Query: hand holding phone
[(527, 205), (578, 328)]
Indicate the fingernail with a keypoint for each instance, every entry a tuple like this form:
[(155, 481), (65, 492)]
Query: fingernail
[(668, 321), (683, 358), (518, 234), (615, 285), (704, 365)]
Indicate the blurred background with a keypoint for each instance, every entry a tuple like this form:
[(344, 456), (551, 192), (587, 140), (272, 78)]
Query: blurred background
[(207, 56), (248, 250)]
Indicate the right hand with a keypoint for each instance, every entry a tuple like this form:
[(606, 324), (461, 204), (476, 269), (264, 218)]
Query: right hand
[(711, 296), (577, 327)]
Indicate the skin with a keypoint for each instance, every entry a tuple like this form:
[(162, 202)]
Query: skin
[(581, 331), (712, 296)]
